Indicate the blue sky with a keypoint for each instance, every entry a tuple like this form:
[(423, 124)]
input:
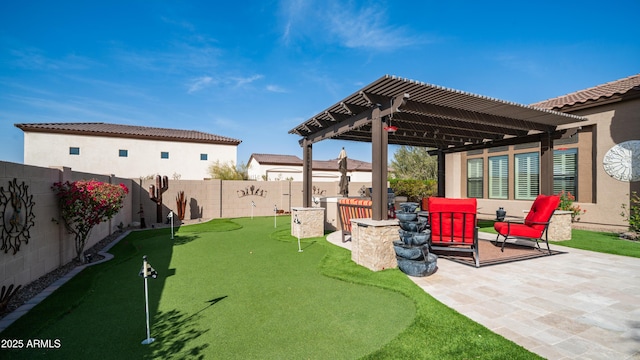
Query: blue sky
[(252, 70)]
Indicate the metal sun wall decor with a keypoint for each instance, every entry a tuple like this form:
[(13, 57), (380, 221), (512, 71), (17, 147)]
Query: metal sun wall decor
[(16, 208), (252, 191), (318, 191)]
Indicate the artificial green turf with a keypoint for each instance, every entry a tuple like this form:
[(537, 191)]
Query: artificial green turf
[(604, 242), (220, 294), (246, 292)]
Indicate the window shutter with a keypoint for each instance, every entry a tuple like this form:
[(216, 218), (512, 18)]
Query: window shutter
[(498, 177), (527, 181), (565, 171), (474, 178)]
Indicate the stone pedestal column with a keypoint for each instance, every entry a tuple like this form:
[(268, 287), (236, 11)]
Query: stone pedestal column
[(311, 222), (372, 243), (560, 226)]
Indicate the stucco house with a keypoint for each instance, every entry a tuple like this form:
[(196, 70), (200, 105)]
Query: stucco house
[(599, 163), (125, 150), (283, 167)]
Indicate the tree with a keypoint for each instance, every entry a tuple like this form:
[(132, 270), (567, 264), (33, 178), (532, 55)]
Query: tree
[(85, 204), (228, 171), (412, 162)]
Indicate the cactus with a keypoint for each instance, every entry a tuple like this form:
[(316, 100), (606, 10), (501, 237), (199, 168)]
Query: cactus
[(181, 203), (155, 194)]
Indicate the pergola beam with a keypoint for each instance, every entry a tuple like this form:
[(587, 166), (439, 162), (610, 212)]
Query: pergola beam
[(473, 117), (358, 120)]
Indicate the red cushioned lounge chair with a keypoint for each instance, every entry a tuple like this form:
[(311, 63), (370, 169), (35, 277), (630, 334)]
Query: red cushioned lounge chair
[(453, 225), (535, 224)]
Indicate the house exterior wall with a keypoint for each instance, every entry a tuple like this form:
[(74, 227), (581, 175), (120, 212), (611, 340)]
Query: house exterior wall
[(598, 193), (258, 171), (100, 155)]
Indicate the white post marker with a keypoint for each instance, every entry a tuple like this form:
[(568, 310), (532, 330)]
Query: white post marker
[(170, 216), (299, 223), (147, 271), (252, 206), (275, 215)]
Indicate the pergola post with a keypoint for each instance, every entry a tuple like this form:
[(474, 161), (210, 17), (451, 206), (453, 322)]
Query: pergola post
[(307, 173), (441, 176), (379, 142), (546, 165)]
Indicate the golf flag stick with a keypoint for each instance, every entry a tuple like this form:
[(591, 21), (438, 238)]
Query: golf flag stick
[(147, 271), (299, 223), (171, 217), (275, 214)]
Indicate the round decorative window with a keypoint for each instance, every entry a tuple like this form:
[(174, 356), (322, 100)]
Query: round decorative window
[(622, 161)]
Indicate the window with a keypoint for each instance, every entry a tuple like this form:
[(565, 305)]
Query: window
[(164, 155), (499, 177), (203, 156), (123, 153), (74, 151), (474, 178), (565, 171), (527, 178)]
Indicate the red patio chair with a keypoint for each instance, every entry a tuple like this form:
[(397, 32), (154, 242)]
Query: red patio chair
[(453, 225), (535, 224)]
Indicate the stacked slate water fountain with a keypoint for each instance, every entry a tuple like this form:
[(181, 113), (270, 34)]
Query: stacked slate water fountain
[(412, 251)]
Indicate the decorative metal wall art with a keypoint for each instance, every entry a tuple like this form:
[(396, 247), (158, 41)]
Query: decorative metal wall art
[(318, 191), (252, 191), (16, 209)]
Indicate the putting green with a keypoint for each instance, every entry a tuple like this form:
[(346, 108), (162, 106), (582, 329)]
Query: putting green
[(227, 290)]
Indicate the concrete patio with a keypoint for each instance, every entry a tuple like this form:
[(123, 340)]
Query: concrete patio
[(579, 305)]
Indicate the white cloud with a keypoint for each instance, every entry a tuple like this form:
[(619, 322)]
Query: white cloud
[(200, 83), (241, 81), (36, 59), (275, 89), (351, 25)]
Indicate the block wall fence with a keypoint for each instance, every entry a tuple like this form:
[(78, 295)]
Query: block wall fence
[(50, 246)]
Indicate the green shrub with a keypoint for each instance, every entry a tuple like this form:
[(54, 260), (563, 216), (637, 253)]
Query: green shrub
[(632, 213), (414, 190)]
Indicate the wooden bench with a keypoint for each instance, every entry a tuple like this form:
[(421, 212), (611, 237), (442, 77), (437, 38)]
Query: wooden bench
[(352, 209)]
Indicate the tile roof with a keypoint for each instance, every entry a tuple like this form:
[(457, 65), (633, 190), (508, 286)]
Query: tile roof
[(276, 159), (629, 86), (128, 131), (326, 165)]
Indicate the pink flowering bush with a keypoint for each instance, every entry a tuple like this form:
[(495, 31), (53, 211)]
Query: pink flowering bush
[(86, 203), (566, 203)]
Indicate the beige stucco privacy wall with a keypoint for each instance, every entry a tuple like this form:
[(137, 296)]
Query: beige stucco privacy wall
[(98, 153), (49, 245)]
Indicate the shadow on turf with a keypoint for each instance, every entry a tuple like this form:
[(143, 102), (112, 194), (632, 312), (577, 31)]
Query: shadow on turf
[(175, 330), (183, 239), (308, 245)]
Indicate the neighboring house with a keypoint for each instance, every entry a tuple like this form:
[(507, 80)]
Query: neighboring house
[(289, 167), (599, 164), (125, 150)]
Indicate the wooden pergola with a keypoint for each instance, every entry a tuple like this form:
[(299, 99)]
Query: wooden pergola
[(398, 111)]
